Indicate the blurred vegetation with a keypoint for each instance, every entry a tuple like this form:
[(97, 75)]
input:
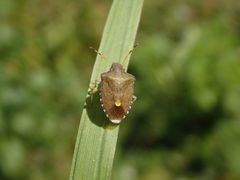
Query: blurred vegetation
[(185, 123)]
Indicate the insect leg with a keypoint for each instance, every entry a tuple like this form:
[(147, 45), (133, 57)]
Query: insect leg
[(134, 98), (93, 87)]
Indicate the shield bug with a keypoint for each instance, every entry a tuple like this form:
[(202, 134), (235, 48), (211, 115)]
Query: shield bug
[(116, 91)]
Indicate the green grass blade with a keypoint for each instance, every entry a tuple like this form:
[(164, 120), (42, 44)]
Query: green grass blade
[(97, 138)]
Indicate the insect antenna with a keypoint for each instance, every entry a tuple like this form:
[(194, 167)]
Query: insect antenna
[(129, 53), (99, 53)]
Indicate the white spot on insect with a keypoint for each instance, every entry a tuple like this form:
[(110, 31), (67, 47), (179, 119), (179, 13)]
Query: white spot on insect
[(100, 99), (104, 110), (130, 107), (115, 121), (124, 117), (107, 115), (127, 112), (102, 105)]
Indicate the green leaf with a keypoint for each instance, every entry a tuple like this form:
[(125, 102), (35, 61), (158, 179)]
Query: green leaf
[(97, 137)]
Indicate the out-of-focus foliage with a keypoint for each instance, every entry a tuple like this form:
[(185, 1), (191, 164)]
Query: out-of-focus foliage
[(186, 121)]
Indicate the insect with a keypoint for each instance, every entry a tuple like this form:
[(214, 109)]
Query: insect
[(116, 91)]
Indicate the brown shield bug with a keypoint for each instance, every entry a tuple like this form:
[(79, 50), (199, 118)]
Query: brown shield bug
[(116, 91)]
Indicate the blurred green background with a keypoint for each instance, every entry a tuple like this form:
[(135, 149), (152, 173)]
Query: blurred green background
[(186, 121)]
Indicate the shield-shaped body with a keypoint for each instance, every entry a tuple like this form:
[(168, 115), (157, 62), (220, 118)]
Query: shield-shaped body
[(116, 91)]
